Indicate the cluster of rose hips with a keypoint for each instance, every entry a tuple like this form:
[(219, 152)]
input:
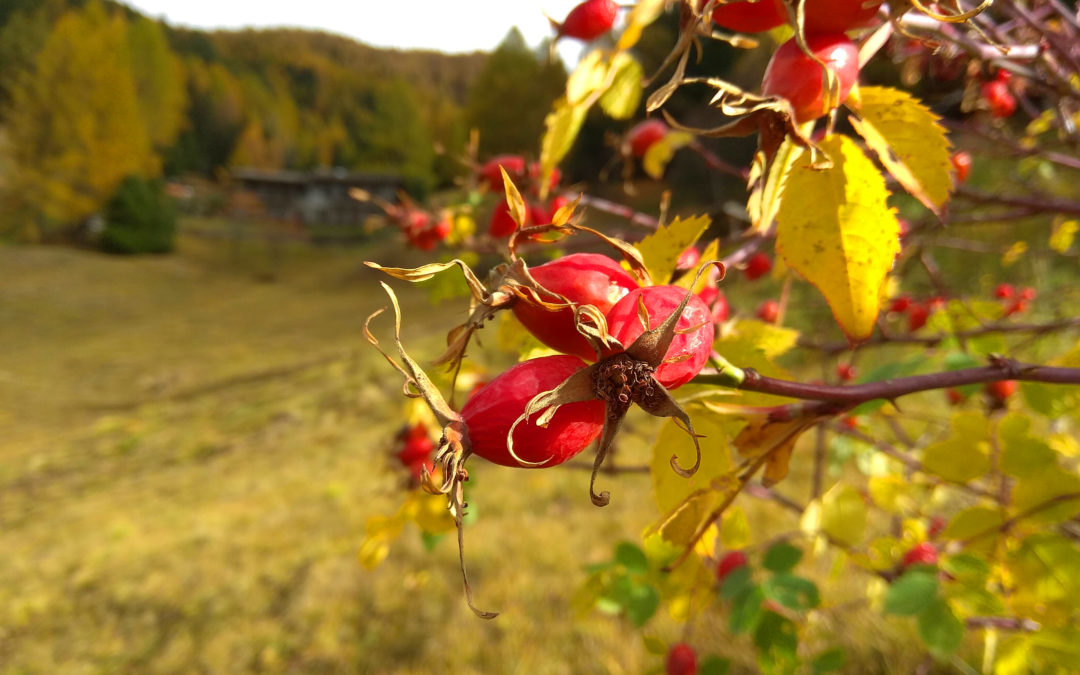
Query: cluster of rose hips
[(583, 279), (1014, 301), (502, 223)]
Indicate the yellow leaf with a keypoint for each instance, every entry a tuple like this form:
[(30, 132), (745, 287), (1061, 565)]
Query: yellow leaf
[(644, 13), (380, 532), (735, 529), (660, 153), (843, 514), (909, 141), (836, 230), (661, 249), (513, 199), (965, 454), (766, 195), (1063, 234), (1015, 252), (561, 125), (429, 512), (587, 79), (686, 503), (620, 100)]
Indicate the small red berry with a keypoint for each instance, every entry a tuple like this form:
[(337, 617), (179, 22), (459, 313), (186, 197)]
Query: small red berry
[(514, 165), (1004, 292), (644, 135), (731, 561), (923, 553), (1001, 101), (849, 422), (1027, 293), (768, 311), (681, 660), (900, 304), (748, 17), (694, 331), (1000, 390), (937, 525), (918, 313), (581, 278), (720, 309), (1018, 307), (845, 371), (837, 16), (534, 176), (936, 303), (961, 162), (793, 75), (589, 20), (492, 410), (757, 266), (955, 396)]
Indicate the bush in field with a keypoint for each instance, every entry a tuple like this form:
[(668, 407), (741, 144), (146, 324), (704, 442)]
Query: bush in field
[(938, 483), (139, 218)]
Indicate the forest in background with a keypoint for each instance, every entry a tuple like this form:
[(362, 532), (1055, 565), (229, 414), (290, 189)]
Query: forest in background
[(93, 93)]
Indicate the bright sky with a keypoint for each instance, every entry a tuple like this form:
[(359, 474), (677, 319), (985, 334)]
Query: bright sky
[(445, 25)]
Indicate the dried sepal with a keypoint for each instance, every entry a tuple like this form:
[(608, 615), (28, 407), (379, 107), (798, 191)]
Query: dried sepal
[(425, 272), (661, 404), (607, 438), (652, 345), (952, 18)]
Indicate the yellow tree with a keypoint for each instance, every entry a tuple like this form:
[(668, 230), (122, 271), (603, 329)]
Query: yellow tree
[(75, 125)]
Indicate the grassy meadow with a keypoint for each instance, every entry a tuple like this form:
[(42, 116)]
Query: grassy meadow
[(190, 446)]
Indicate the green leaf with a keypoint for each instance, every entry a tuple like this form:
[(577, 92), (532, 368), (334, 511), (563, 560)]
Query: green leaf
[(965, 455), (654, 645), (431, 540), (746, 610), (829, 660), (843, 514), (911, 593), (781, 557), (642, 604), (793, 592), (631, 557), (1022, 455), (939, 629), (738, 582), (909, 141), (620, 100), (835, 229), (714, 665), (661, 249), (975, 521), (1050, 495), (777, 641)]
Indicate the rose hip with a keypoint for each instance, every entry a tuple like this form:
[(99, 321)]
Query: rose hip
[(491, 412), (694, 331), (584, 279)]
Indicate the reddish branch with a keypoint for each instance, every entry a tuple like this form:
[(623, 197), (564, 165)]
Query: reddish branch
[(840, 397), (931, 340)]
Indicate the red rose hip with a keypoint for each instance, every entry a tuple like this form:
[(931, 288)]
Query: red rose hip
[(681, 660), (837, 16), (589, 20), (492, 410), (793, 75), (731, 561), (694, 331), (644, 135), (584, 279), (749, 17)]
